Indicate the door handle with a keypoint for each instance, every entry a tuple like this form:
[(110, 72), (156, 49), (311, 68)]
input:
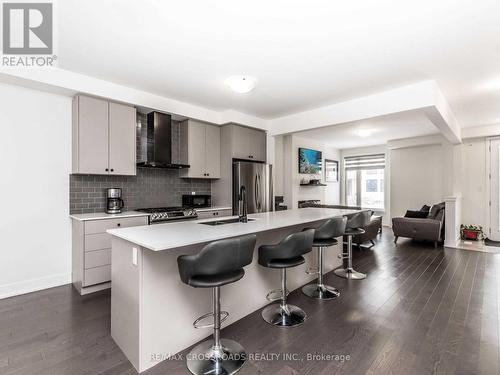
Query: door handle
[(255, 192)]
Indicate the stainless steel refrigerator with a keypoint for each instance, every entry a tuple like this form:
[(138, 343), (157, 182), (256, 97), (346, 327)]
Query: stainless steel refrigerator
[(257, 178)]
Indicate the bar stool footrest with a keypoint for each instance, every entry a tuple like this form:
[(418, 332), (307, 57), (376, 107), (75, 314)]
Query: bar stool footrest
[(312, 271), (197, 323), (279, 295)]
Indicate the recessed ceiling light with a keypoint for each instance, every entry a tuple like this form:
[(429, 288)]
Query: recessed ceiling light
[(364, 132), (241, 84)]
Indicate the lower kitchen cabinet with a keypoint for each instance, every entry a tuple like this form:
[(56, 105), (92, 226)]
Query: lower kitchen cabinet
[(214, 213), (91, 269)]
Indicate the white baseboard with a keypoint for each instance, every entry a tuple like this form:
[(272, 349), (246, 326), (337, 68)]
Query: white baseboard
[(33, 285)]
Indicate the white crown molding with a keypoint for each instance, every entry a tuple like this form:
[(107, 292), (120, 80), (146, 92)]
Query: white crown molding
[(423, 96), (64, 82)]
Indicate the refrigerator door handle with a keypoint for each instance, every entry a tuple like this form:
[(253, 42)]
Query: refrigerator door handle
[(259, 206), (260, 194), (256, 192)]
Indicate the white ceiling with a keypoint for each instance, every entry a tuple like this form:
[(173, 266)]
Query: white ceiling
[(375, 131), (304, 54)]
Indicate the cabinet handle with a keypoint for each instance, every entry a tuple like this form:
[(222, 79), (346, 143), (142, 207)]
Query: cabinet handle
[(250, 156), (107, 170), (112, 170), (118, 225), (208, 174)]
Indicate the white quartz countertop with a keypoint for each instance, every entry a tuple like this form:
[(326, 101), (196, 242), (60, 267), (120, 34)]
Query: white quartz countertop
[(161, 237), (103, 215), (215, 208)]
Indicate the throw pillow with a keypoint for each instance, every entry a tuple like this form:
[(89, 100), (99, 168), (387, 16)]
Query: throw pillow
[(435, 210), (425, 208), (416, 214)]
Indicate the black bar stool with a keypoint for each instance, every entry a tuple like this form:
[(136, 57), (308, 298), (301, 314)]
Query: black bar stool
[(325, 236), (288, 253), (355, 225), (217, 264)]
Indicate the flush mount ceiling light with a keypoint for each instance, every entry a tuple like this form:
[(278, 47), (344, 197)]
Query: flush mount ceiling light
[(364, 132), (241, 84)]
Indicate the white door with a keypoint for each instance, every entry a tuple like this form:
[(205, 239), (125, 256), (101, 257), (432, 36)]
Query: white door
[(494, 190)]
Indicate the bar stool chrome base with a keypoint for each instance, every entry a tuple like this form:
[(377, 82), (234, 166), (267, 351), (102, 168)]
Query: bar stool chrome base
[(284, 316), (205, 358), (320, 290), (349, 273), (324, 292)]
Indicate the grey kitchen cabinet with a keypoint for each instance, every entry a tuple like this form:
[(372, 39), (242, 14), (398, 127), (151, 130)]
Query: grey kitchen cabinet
[(248, 143), (237, 142), (203, 150), (91, 254), (103, 134), (214, 213), (90, 135), (122, 139), (212, 150)]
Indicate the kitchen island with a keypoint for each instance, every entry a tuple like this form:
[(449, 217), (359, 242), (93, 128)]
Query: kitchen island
[(152, 311)]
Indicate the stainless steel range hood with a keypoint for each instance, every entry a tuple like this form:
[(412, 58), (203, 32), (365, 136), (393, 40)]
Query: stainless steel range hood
[(163, 143)]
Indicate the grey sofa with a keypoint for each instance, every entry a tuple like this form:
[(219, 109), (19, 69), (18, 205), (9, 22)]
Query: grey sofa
[(429, 228)]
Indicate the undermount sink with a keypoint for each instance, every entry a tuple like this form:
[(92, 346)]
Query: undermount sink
[(222, 222)]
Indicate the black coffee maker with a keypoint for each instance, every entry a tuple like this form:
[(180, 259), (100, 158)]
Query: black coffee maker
[(114, 203)]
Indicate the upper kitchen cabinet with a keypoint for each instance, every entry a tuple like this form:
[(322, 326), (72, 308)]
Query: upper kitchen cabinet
[(103, 137), (248, 143), (203, 150), (122, 139)]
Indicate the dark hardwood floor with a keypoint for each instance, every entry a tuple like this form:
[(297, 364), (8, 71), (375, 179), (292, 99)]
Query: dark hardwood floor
[(420, 311)]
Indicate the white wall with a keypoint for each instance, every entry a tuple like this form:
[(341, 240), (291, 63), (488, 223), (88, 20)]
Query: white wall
[(35, 159), (332, 189), (278, 165), (416, 178), (286, 159), (474, 182)]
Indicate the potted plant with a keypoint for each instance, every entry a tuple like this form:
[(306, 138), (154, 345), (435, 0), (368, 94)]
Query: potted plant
[(471, 232)]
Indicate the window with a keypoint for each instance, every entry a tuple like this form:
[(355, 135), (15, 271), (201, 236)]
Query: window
[(364, 181)]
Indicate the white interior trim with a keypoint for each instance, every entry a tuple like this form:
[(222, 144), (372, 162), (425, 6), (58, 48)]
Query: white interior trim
[(424, 96), (33, 285), (67, 83)]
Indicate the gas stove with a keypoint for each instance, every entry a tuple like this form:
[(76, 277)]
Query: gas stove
[(164, 214)]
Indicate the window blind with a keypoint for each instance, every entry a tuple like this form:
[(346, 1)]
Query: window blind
[(364, 162)]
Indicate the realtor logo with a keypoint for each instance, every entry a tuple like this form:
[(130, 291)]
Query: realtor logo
[(28, 35), (27, 28)]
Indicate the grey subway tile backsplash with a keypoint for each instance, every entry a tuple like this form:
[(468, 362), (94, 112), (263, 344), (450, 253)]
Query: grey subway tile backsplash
[(150, 188)]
